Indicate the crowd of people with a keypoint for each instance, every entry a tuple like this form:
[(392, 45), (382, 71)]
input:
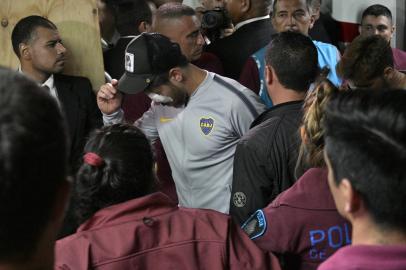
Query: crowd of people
[(258, 147)]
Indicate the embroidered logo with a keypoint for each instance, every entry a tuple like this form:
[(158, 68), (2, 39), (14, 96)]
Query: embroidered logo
[(239, 199), (206, 125), (129, 62)]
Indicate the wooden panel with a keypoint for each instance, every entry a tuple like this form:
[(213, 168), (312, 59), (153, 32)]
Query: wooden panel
[(77, 22)]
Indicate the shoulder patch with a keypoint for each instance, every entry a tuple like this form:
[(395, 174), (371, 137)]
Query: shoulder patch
[(256, 225)]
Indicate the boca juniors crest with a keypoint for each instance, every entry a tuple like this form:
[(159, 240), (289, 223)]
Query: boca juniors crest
[(206, 125)]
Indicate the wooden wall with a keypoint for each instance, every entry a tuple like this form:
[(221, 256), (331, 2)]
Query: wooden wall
[(77, 21)]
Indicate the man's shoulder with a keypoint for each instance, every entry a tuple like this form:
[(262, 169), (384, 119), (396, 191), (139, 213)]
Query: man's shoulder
[(289, 110), (246, 32), (70, 78), (324, 46)]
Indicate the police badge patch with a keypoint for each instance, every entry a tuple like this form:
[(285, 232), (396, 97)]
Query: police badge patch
[(255, 226), (206, 125)]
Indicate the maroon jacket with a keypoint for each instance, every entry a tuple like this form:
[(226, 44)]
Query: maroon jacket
[(302, 223), (367, 257), (154, 233), (399, 59)]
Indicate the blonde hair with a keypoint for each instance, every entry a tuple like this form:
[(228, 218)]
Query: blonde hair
[(311, 148)]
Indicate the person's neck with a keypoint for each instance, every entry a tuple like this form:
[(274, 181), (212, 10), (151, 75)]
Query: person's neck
[(194, 78), (365, 232), (282, 95), (37, 76)]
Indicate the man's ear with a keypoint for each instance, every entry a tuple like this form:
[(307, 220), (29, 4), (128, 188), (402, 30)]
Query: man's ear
[(24, 50), (351, 197), (246, 5), (176, 75), (269, 76), (144, 27), (312, 20)]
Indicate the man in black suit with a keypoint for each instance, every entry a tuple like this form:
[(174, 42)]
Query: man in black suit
[(253, 30), (38, 46)]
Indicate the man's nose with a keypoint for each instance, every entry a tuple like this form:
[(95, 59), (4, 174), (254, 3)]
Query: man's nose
[(60, 48), (200, 39)]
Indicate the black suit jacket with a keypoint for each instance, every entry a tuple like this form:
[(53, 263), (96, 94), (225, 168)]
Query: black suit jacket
[(234, 50), (78, 102)]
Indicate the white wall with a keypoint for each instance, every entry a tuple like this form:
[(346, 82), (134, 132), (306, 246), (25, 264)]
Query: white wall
[(350, 11)]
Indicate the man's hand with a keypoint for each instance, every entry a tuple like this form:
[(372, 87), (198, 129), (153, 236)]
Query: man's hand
[(109, 98)]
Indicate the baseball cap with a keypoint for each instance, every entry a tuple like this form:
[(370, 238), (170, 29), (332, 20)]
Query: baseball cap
[(147, 56)]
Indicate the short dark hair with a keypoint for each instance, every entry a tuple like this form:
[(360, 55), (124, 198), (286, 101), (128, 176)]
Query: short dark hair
[(130, 14), (365, 59), (126, 172), (25, 30), (293, 56), (174, 10), (33, 163), (366, 143), (308, 5), (377, 10)]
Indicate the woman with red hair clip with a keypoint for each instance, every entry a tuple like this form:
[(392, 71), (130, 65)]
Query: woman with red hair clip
[(127, 226)]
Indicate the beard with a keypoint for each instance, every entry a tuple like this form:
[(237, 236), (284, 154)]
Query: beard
[(178, 95)]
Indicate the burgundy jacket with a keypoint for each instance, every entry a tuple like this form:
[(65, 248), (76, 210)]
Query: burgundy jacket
[(302, 223), (399, 59), (367, 257), (152, 232)]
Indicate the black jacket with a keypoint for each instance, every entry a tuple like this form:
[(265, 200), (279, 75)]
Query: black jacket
[(265, 159), (235, 49), (79, 105)]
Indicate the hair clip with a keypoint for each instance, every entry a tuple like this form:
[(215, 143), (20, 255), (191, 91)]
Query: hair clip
[(93, 159)]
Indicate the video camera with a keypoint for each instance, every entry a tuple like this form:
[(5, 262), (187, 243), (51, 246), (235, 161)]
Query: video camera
[(213, 22)]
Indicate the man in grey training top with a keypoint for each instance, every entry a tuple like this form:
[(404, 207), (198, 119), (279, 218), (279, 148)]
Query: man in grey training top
[(198, 115)]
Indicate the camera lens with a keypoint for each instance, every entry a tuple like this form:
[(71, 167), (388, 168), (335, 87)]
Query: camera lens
[(212, 19)]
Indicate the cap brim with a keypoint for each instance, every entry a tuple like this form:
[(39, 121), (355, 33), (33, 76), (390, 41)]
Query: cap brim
[(133, 84)]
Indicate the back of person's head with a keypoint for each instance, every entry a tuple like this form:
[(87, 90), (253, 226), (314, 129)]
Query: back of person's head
[(377, 10), (293, 57), (33, 165), (312, 132), (261, 7), (130, 15), (366, 144), (25, 30), (173, 10), (117, 167), (365, 60)]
